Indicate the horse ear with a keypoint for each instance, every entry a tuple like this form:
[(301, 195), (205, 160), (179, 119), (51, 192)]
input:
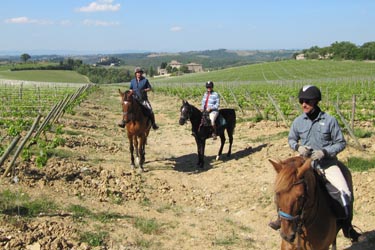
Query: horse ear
[(277, 166), (306, 166)]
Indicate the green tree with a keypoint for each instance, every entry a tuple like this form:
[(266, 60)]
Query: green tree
[(184, 69), (344, 50), (151, 71), (367, 51), (25, 57), (163, 65)]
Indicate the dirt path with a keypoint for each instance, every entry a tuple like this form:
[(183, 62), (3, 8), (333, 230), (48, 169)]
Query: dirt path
[(226, 206)]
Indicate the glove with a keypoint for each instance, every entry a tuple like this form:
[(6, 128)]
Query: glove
[(304, 151), (317, 155)]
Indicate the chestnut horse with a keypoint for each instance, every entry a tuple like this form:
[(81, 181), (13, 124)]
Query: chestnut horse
[(201, 132), (137, 126), (307, 221)]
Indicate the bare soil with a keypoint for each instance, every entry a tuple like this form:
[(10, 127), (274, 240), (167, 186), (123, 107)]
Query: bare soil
[(225, 206)]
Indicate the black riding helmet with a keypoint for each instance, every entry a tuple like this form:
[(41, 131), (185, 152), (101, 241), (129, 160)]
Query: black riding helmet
[(210, 84), (310, 92)]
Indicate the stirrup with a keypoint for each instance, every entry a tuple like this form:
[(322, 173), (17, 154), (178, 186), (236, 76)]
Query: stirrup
[(353, 235)]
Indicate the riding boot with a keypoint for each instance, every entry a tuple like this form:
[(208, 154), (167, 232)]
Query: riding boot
[(349, 231), (153, 124), (121, 124), (275, 225), (214, 132)]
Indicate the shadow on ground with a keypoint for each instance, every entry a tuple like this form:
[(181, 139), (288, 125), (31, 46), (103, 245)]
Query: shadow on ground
[(187, 163), (367, 242)]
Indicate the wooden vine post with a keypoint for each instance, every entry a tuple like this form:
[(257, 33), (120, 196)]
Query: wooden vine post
[(347, 126), (278, 109), (19, 149)]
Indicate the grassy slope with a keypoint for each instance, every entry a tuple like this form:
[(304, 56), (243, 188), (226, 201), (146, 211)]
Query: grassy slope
[(64, 76), (283, 70), (262, 72)]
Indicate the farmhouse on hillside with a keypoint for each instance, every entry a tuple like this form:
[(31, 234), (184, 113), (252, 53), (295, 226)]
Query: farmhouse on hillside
[(192, 67)]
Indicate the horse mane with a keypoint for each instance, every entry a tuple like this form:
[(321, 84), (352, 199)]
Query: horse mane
[(195, 109), (135, 110)]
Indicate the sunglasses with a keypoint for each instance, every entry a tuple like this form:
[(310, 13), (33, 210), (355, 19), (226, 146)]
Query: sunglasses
[(307, 101)]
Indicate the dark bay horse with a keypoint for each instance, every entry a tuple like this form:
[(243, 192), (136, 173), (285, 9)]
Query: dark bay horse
[(201, 133), (137, 127), (307, 221)]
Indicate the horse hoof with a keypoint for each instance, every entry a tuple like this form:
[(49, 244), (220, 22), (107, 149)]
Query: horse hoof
[(140, 170), (132, 166), (217, 157)]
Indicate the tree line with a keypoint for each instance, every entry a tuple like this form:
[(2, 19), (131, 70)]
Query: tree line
[(341, 51)]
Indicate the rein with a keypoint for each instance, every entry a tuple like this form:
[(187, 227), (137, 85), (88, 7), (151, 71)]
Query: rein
[(300, 218)]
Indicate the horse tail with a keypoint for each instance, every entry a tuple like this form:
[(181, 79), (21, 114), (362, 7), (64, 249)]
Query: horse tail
[(230, 118)]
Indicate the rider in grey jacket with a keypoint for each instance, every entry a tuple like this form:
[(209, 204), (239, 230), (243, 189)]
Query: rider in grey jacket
[(317, 134)]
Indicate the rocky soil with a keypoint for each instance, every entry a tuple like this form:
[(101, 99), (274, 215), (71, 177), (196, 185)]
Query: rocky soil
[(171, 205)]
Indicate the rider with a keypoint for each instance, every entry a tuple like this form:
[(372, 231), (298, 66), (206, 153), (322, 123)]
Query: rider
[(139, 86), (317, 134), (211, 103)]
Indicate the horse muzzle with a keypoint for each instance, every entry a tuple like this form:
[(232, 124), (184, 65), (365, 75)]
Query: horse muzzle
[(182, 121), (289, 238)]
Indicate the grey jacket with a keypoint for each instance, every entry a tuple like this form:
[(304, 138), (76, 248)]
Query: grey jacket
[(323, 133)]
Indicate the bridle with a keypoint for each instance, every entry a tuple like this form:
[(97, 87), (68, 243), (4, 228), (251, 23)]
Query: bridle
[(127, 100), (297, 219), (185, 113)]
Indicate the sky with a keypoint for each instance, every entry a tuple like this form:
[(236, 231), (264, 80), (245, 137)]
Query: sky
[(112, 26)]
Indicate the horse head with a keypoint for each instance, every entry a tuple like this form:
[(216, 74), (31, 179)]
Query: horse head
[(126, 103), (291, 192), (185, 112)]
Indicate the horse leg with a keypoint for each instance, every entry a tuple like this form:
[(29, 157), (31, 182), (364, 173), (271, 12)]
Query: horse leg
[(222, 142), (131, 150), (142, 143), (198, 150), (333, 246), (136, 146), (201, 155), (230, 136)]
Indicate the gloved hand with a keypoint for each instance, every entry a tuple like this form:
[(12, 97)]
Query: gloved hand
[(317, 155), (304, 150)]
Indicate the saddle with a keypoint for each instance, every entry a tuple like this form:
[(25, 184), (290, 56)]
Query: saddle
[(206, 121)]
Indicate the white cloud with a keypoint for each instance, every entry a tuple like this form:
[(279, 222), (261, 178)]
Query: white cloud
[(100, 5), (176, 29), (23, 19), (89, 22)]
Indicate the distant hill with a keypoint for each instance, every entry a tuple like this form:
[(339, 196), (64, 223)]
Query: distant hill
[(210, 59)]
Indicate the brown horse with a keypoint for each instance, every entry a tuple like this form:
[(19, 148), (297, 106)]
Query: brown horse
[(307, 221), (137, 126)]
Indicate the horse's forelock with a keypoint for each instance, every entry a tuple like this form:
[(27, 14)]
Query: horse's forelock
[(285, 179)]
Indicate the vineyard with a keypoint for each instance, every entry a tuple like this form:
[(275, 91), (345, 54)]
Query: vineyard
[(23, 105), (258, 92), (258, 100), (65, 175)]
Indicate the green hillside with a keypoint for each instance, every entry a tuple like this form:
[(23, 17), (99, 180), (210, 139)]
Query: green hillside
[(65, 76), (281, 71)]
